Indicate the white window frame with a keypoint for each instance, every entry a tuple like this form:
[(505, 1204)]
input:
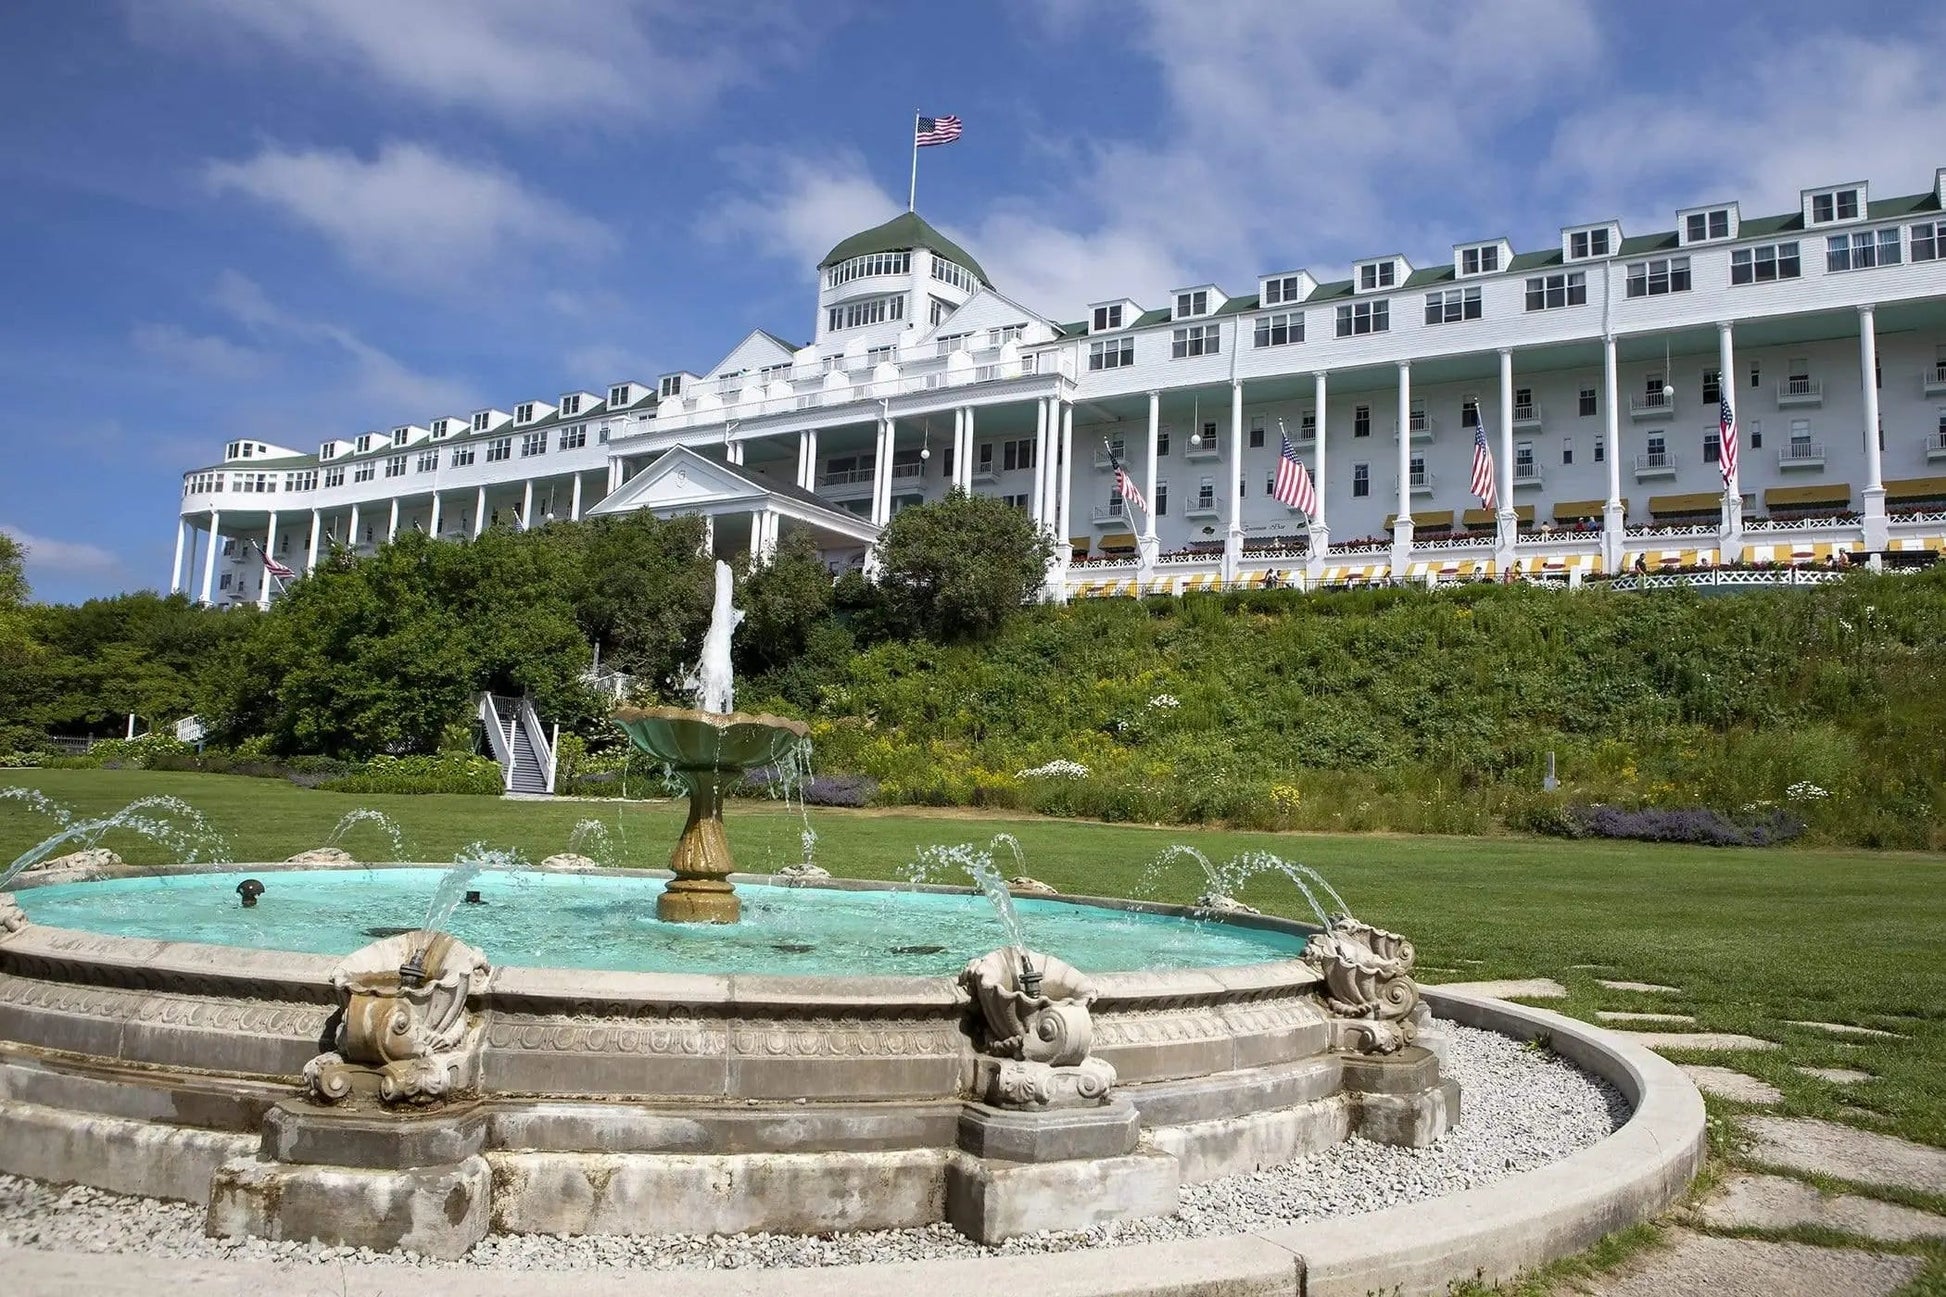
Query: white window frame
[(1108, 317), (1483, 259), (1588, 238), (1450, 305), (1191, 304), (1279, 329), (1111, 353), (1357, 319), (1863, 249), (1658, 277), (1557, 291), (1282, 290), (1196, 340), (1374, 275), (1838, 204), (1765, 263)]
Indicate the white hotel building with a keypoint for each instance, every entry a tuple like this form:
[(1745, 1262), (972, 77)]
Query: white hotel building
[(1596, 367)]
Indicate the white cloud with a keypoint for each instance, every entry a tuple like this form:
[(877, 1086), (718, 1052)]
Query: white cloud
[(411, 215), (795, 207), (525, 62), (199, 355), (65, 557)]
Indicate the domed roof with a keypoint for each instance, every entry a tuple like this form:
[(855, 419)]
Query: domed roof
[(901, 234)]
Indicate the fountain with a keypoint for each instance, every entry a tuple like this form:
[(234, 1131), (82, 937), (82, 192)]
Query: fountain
[(707, 749)]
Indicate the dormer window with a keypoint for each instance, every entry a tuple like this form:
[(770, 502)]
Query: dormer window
[(1479, 261), (1108, 317), (618, 395), (1283, 289), (524, 412), (399, 436), (329, 450), (1834, 205), (1378, 274), (440, 427), (671, 386), (1583, 244), (1192, 304), (1699, 227), (482, 420), (364, 442), (571, 404)]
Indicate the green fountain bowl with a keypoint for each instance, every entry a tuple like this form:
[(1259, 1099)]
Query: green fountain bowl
[(693, 740)]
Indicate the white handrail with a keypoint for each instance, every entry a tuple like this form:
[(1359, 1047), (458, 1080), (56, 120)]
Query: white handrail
[(497, 739)]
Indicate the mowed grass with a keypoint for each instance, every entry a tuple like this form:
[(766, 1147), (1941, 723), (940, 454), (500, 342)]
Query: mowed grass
[(1753, 938)]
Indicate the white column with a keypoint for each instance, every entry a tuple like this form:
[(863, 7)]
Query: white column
[(1058, 411), (1731, 542), (574, 499), (479, 512), (804, 460), (614, 473), (263, 575), (1149, 547), (317, 529), (1233, 540), (1874, 494), (1402, 522), (756, 535), (209, 559), (881, 472), (709, 535), (767, 542), (1614, 520), (1064, 511), (432, 524), (966, 472), (1507, 521), (392, 523), (527, 505), (1038, 499), (351, 529), (733, 452), (175, 570), (1320, 527)]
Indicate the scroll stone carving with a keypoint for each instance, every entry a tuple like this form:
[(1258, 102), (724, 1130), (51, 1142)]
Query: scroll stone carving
[(1036, 1032), (403, 1030), (1368, 986), (12, 917)]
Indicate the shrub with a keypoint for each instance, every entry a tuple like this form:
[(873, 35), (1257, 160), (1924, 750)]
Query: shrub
[(1692, 824), (449, 772)]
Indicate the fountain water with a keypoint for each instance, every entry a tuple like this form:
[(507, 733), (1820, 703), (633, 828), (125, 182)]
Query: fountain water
[(591, 840), (473, 860), (168, 821), (364, 816)]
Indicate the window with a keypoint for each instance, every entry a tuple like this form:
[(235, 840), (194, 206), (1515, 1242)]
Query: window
[(601, 434), (1256, 431), (1712, 386), (618, 394), (1523, 459), (442, 428), (1469, 411), (1524, 404), (395, 466), (462, 456), (1161, 442), (482, 420), (534, 443), (523, 413), (365, 472), (1108, 317), (1280, 330), (499, 448), (1196, 340), (875, 356), (1112, 354), (1837, 205), (1376, 275), (1588, 243), (1658, 450), (1764, 263), (1656, 278), (1453, 304), (574, 438), (1601, 450), (364, 443), (873, 310), (1712, 445), (1800, 438), (1161, 499), (1862, 250), (947, 272), (1191, 304), (305, 480), (1546, 292), (1206, 494), (1307, 426), (1756, 374), (1567, 450), (986, 458), (400, 436), (1364, 317), (1707, 225), (428, 462), (224, 583), (1480, 261), (1001, 336), (571, 404), (1283, 289), (1928, 241), (1588, 408), (1018, 453), (334, 477), (1361, 421), (872, 263), (1756, 429), (329, 450)]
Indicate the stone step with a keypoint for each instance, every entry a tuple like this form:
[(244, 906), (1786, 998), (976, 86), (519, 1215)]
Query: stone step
[(1728, 1083), (1776, 1202), (1845, 1153), (1610, 1015), (1740, 1267), (1655, 988), (1695, 1040), (1509, 988)]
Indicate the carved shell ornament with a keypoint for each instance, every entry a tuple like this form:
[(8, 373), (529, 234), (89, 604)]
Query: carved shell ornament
[(12, 917), (1051, 1026), (1367, 971)]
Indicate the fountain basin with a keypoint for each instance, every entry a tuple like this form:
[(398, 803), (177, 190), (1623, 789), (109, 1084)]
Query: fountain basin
[(693, 740)]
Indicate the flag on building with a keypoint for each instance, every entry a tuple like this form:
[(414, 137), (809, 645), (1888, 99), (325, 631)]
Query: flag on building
[(1292, 486), (936, 130), (1125, 485), (1726, 425), (1483, 486), (273, 568)]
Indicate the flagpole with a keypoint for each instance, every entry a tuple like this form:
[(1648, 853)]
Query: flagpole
[(912, 194)]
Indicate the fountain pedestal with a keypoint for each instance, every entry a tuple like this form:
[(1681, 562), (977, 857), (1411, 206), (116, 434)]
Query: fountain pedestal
[(701, 892)]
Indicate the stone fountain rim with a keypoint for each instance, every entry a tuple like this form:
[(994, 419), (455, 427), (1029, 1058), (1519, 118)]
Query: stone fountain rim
[(189, 965), (719, 720)]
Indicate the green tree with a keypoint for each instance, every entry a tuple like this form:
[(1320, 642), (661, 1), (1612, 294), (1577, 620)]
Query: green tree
[(641, 589), (13, 573), (782, 601), (956, 569)]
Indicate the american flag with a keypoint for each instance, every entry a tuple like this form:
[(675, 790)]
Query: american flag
[(1726, 423), (273, 567), (936, 130), (1293, 484), (1124, 484), (1483, 486)]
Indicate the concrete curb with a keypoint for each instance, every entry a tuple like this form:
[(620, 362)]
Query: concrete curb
[(1415, 1248)]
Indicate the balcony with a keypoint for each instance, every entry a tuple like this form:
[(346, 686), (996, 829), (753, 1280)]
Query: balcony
[(1651, 405), (1116, 510), (1799, 390), (1203, 448), (906, 472), (1936, 445), (845, 482), (1420, 423), (984, 471), (1420, 483), (1526, 475), (1935, 379), (1203, 506), (1801, 454), (1527, 415), (1657, 463), (1104, 460)]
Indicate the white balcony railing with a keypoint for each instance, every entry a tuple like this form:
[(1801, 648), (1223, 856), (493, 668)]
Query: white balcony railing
[(1936, 444), (845, 477), (1422, 426), (1799, 390), (1420, 483), (1527, 415), (1652, 405), (1801, 454), (1203, 506), (1935, 379), (1527, 475), (1657, 463), (909, 470), (1201, 447), (1104, 460), (1116, 510)]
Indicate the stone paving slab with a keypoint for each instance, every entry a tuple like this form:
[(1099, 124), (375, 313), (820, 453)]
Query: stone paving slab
[(1695, 1040), (1655, 987), (1739, 1267), (1728, 1083), (1837, 1075), (1827, 1148), (1776, 1202), (1612, 1015), (1532, 988), (1846, 1029)]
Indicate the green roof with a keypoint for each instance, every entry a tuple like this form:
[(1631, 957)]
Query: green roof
[(901, 234), (1649, 243), (1533, 260), (1325, 292), (1237, 305), (1428, 275)]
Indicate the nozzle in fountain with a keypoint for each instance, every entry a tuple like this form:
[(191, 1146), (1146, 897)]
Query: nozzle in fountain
[(413, 971), (248, 891), (1030, 977), (473, 898)]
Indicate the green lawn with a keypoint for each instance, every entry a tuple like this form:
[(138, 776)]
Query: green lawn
[(1753, 938)]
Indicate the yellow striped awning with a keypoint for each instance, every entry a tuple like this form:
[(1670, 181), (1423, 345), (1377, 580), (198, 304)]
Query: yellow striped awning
[(1919, 542), (1697, 502), (1203, 581), (1836, 494), (1117, 542), (1915, 488), (1582, 510), (1488, 517)]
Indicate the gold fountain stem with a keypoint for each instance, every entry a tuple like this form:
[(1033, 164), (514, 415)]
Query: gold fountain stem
[(701, 892)]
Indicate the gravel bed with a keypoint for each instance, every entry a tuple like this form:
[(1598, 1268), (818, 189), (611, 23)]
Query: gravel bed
[(1520, 1109)]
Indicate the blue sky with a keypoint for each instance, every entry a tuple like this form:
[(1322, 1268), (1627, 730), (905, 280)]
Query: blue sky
[(302, 218)]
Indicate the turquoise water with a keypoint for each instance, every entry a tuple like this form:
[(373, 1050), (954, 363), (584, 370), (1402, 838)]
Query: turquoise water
[(578, 921)]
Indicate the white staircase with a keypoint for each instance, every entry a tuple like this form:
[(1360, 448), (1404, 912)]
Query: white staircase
[(523, 748)]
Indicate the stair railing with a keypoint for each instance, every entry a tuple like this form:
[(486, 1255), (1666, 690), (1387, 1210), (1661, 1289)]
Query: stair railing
[(544, 745), (497, 736)]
